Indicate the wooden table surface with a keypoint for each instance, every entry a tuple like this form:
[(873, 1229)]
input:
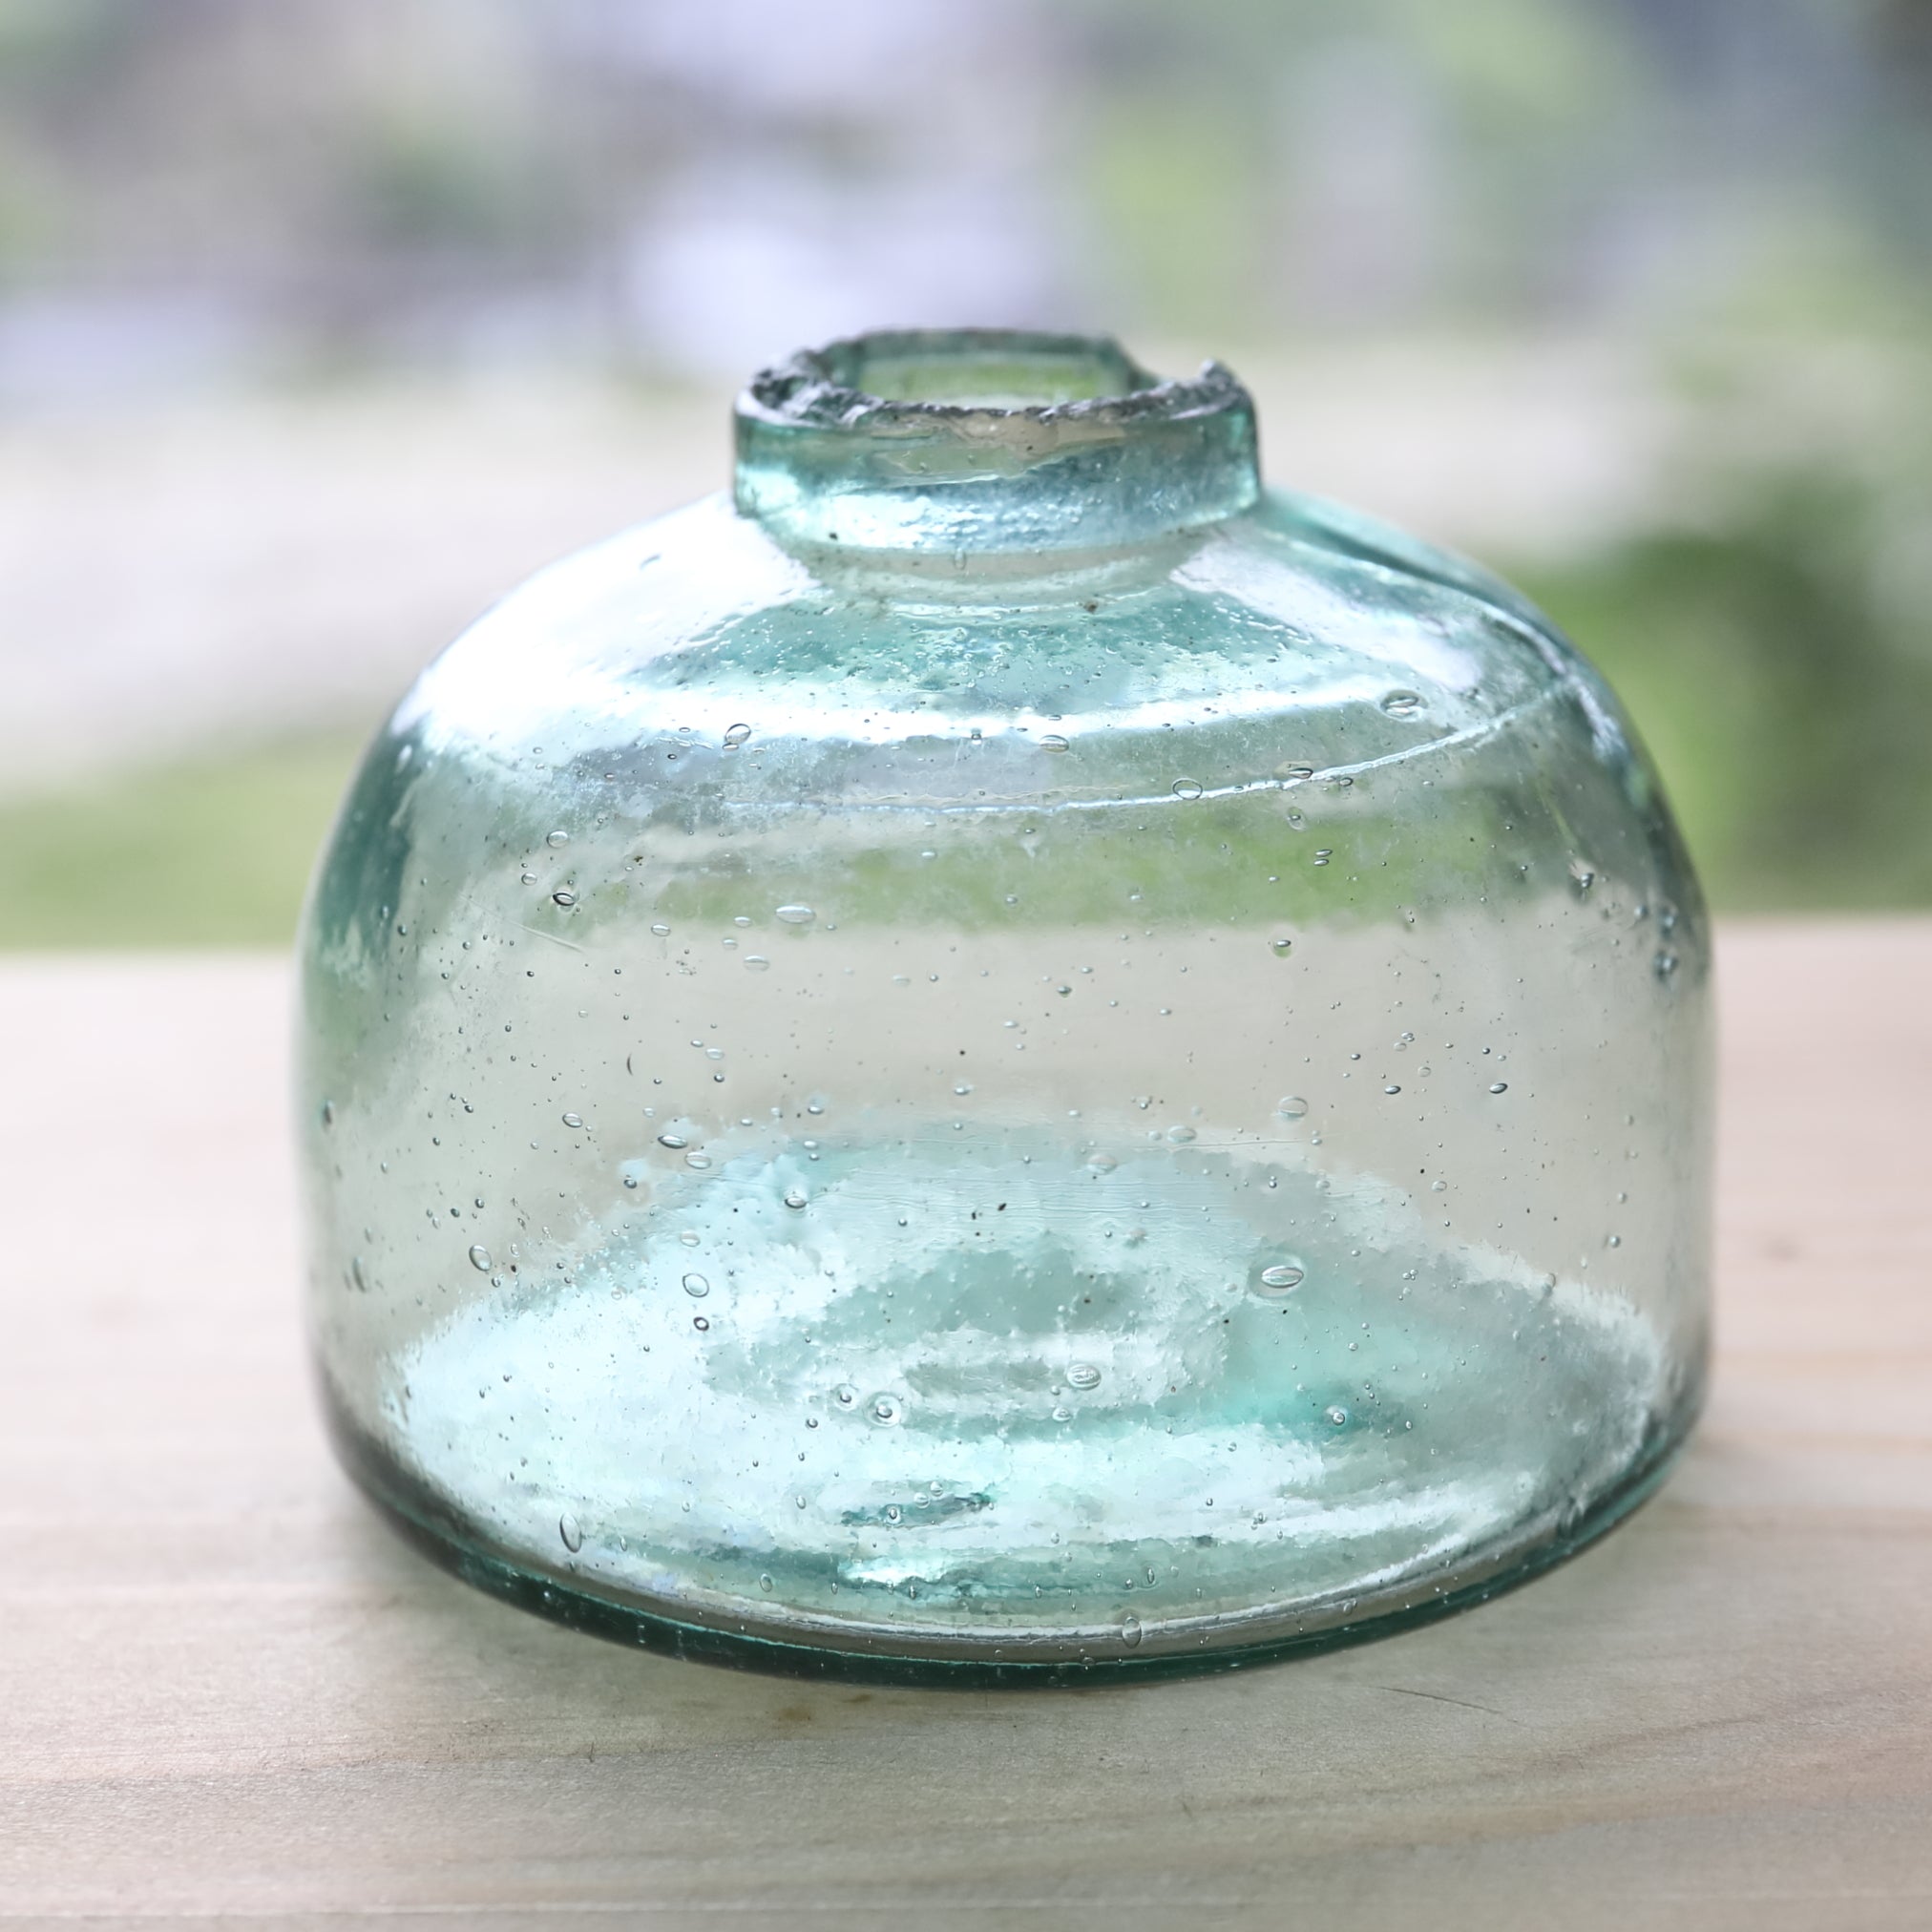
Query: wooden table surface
[(227, 1695)]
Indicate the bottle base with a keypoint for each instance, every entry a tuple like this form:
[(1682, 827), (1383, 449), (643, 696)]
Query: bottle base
[(877, 1654)]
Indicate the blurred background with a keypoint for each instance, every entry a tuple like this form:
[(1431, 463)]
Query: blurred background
[(323, 322)]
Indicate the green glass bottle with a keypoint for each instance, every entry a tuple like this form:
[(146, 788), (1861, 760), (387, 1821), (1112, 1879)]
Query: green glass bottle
[(1003, 1056)]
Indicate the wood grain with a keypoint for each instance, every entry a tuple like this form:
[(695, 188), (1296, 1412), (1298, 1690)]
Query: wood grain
[(228, 1695)]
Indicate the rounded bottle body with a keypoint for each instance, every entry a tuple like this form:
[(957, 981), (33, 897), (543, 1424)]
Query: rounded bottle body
[(990, 1112)]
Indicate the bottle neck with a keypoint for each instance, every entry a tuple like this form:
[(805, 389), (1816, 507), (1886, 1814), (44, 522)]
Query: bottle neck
[(989, 440)]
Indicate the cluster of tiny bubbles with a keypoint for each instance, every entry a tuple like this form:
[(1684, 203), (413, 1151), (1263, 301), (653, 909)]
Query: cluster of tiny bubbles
[(1291, 1107), (795, 1197), (735, 735), (573, 1536), (1402, 703), (795, 915), (1187, 788), (696, 1287), (886, 1411), (479, 1259), (1281, 1279), (1084, 1375)]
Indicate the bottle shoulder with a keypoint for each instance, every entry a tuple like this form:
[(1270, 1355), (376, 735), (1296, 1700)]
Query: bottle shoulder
[(1299, 621)]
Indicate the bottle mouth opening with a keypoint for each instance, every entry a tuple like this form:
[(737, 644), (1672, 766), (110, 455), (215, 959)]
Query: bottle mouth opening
[(989, 369), (916, 375)]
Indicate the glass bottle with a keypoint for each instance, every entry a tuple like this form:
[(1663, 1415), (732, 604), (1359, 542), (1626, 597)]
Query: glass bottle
[(1003, 1056)]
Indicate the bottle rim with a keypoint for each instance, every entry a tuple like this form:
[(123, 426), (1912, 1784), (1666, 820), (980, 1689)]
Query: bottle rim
[(983, 439), (838, 386)]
